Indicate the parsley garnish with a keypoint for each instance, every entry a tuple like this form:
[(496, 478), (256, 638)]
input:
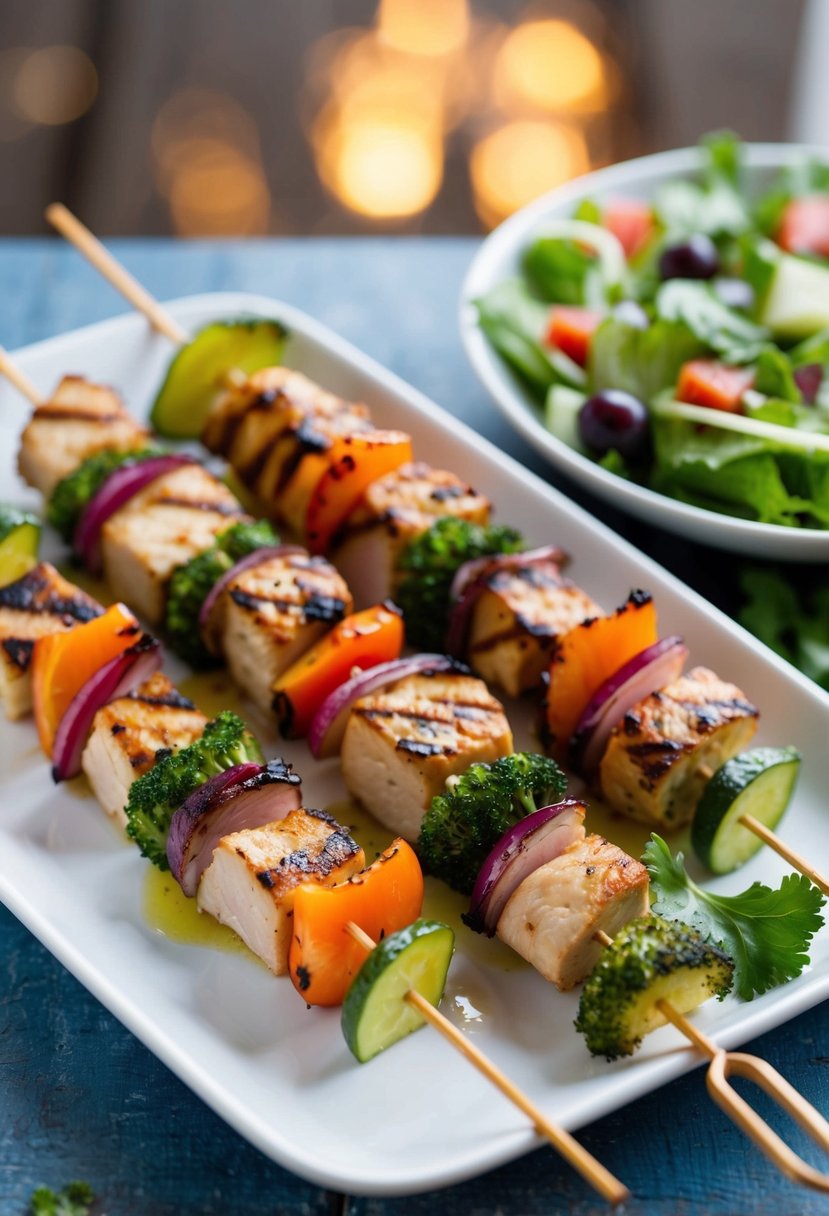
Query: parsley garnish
[(75, 1199), (765, 931)]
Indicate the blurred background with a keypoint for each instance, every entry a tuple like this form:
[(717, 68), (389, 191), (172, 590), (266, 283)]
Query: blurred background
[(209, 118)]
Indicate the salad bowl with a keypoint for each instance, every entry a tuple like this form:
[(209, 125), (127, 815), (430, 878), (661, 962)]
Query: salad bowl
[(499, 259)]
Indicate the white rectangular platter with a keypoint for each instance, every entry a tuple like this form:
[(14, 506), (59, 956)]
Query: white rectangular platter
[(418, 1116)]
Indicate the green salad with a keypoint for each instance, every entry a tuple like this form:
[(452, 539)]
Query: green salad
[(683, 341)]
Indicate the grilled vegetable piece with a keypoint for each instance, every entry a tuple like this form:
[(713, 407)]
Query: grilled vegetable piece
[(464, 823), (516, 620), (354, 462), (759, 783), (360, 641), (649, 960), (273, 613), (585, 657), (161, 528), (74, 492), (197, 372), (156, 796), (429, 565), (393, 512), (19, 541), (655, 764), (128, 734), (275, 431), (402, 742), (63, 662), (381, 899), (251, 882), (242, 798), (375, 1011), (40, 603), (191, 583), (79, 418), (553, 916)]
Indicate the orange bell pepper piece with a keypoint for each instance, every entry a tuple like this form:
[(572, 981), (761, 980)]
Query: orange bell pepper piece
[(588, 655), (354, 462), (713, 384), (571, 329), (63, 662), (362, 640), (323, 957)]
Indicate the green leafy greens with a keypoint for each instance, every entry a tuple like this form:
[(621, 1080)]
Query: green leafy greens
[(765, 931), (75, 1199)]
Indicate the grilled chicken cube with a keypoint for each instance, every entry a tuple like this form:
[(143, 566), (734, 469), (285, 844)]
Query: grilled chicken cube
[(552, 917), (249, 885), (663, 751), (168, 522), (516, 620), (402, 743), (39, 603), (128, 733), (274, 431), (394, 511), (79, 419), (273, 612)]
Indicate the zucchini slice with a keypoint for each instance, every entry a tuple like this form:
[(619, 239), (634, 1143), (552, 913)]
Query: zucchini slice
[(375, 1014), (649, 960), (19, 543), (196, 375), (760, 783)]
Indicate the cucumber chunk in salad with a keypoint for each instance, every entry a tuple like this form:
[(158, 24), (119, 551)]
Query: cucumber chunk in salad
[(759, 783), (375, 1013), (19, 542)]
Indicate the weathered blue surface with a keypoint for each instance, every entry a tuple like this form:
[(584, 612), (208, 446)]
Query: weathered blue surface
[(79, 1096)]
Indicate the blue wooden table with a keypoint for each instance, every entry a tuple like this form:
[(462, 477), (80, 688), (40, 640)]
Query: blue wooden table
[(79, 1096)]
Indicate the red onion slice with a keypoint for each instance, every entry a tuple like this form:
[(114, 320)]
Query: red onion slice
[(242, 797), (121, 485), (471, 579), (648, 671), (809, 379), (327, 728), (534, 841), (256, 558), (115, 679)]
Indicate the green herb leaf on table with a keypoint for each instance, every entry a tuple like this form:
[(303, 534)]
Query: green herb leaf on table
[(766, 931), (75, 1199)]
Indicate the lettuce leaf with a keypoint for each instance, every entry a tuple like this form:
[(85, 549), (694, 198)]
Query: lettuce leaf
[(514, 321), (640, 361)]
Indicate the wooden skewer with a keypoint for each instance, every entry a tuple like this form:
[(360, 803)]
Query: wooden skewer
[(90, 247), (795, 860), (18, 378), (723, 1064), (609, 1187)]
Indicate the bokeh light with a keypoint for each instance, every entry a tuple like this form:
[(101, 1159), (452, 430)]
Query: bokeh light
[(424, 27), (521, 160), (551, 65), (54, 85)]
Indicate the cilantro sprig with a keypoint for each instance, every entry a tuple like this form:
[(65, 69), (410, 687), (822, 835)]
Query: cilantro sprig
[(766, 931)]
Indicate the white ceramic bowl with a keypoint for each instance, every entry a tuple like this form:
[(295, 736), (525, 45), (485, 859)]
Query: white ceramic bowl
[(499, 259)]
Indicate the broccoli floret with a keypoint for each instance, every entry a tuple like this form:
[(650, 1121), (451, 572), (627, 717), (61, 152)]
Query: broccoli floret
[(74, 492), (648, 960), (430, 563), (191, 583), (155, 797), (462, 826)]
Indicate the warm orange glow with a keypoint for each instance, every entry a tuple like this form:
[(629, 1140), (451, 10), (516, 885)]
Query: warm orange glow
[(191, 116), (384, 164), (54, 85), (424, 27), (521, 160), (551, 65), (218, 191)]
